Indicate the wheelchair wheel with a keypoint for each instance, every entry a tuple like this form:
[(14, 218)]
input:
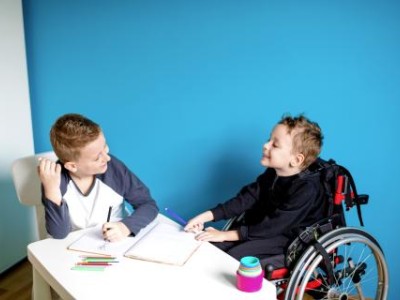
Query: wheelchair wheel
[(359, 270)]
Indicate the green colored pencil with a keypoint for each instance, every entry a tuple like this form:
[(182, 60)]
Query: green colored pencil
[(88, 268)]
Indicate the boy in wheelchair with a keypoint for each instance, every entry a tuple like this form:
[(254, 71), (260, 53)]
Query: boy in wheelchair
[(292, 219), (282, 201)]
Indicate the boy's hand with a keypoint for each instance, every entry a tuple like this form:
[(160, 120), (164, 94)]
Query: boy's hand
[(211, 234), (197, 223), (115, 231), (50, 176), (194, 226)]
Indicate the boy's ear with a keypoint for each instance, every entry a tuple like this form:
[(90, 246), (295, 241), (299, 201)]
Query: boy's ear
[(297, 160), (71, 166)]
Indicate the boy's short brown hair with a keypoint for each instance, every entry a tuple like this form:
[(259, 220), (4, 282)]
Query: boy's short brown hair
[(307, 138), (70, 133)]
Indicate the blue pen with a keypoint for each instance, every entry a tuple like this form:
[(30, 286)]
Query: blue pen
[(175, 216)]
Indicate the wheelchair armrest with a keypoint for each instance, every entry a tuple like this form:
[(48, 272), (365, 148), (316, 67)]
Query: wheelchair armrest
[(232, 221), (228, 224)]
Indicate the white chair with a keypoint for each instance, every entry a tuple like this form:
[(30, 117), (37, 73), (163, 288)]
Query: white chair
[(27, 185)]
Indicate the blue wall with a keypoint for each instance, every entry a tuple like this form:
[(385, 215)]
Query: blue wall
[(187, 91)]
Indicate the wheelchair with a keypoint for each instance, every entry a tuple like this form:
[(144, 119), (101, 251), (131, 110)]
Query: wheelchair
[(329, 260)]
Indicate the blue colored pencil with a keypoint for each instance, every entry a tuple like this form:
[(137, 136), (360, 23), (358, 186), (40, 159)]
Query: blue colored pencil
[(175, 216)]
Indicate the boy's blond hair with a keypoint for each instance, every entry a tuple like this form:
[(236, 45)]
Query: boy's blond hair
[(307, 138), (70, 133)]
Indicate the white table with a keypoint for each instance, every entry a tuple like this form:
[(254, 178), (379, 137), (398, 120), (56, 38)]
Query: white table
[(209, 274)]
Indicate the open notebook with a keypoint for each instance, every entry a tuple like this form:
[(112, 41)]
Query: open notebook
[(158, 242)]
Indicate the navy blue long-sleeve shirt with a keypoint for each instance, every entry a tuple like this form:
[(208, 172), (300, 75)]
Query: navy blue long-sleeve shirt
[(117, 184)]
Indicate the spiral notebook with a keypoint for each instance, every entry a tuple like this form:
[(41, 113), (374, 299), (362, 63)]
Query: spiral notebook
[(158, 242)]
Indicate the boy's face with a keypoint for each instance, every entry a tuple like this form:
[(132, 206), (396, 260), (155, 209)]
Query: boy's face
[(93, 159), (277, 152)]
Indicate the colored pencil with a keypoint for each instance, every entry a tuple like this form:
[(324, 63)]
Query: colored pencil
[(87, 268), (93, 264), (175, 216)]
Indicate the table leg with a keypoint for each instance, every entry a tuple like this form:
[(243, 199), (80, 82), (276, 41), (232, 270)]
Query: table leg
[(40, 289)]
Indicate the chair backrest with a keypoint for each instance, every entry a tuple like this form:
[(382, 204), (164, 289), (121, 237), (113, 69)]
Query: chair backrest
[(27, 185)]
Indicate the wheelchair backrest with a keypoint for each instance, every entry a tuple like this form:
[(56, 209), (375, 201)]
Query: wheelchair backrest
[(339, 188), (340, 191)]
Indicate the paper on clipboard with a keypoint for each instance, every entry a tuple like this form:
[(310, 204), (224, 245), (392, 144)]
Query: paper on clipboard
[(92, 241)]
